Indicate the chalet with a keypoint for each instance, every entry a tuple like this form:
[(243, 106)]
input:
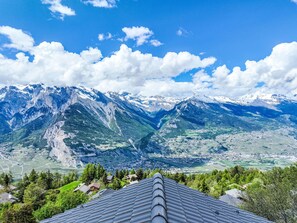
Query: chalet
[(109, 179), (10, 187), (83, 188), (233, 197), (131, 177), (156, 200), (94, 186), (102, 193), (7, 198)]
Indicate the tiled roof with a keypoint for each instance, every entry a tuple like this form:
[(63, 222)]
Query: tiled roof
[(156, 200), (234, 201)]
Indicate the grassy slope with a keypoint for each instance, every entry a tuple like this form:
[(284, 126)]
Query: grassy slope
[(70, 186)]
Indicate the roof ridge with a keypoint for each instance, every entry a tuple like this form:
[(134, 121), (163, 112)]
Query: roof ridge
[(159, 207)]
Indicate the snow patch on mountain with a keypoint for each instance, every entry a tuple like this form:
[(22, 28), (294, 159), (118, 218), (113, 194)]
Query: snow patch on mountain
[(148, 103)]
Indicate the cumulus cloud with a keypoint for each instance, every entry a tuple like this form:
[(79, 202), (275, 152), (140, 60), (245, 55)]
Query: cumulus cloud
[(18, 39), (124, 70), (277, 73), (143, 73), (155, 42), (56, 7), (101, 3), (141, 35), (102, 36)]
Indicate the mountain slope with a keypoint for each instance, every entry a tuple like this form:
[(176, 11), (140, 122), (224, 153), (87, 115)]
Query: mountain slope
[(71, 126)]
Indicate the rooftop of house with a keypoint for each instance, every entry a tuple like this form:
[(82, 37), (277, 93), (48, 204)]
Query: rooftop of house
[(102, 193), (231, 200), (132, 175), (83, 188), (7, 198), (96, 185), (109, 177), (156, 200), (235, 193), (11, 187)]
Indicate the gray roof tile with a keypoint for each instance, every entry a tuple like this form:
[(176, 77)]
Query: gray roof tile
[(156, 200)]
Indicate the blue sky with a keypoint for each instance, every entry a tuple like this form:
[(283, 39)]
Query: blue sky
[(232, 31)]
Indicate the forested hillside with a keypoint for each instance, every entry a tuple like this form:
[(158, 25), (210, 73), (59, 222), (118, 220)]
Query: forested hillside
[(40, 195)]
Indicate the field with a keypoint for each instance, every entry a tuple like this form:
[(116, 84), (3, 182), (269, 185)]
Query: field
[(70, 187), (23, 160)]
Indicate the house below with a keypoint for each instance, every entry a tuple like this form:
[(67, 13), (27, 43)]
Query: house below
[(94, 186), (109, 179), (131, 177), (10, 187), (233, 197), (7, 198), (83, 188), (101, 193), (88, 188), (156, 200)]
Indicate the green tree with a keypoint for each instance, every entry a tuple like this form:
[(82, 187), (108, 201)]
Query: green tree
[(89, 173), (6, 179), (276, 199), (70, 199), (47, 211), (3, 208), (34, 195), (117, 174), (139, 174), (99, 171), (33, 176), (19, 213), (45, 180), (104, 178), (122, 174), (22, 185), (116, 184)]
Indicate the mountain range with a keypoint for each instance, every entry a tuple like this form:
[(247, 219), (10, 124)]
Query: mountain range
[(63, 128)]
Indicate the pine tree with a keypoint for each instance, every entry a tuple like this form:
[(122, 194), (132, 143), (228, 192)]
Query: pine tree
[(104, 178), (139, 174), (33, 176), (89, 173)]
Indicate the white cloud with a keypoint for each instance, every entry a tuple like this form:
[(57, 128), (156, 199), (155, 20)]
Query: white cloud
[(277, 73), (140, 34), (137, 72), (101, 3), (56, 7), (155, 42), (102, 36), (18, 39), (182, 32), (294, 1), (124, 70)]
